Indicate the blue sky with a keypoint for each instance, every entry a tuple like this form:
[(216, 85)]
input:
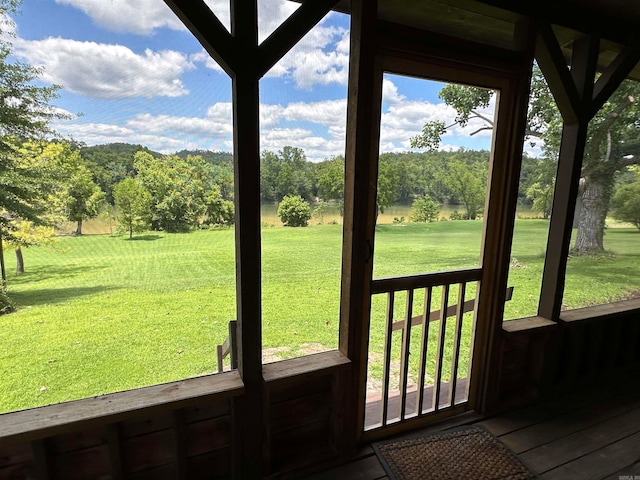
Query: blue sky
[(130, 72)]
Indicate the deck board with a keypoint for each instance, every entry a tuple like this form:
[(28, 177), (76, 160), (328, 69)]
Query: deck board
[(591, 434)]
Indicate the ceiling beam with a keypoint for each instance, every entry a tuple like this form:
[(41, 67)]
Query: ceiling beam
[(287, 35), (586, 20), (210, 32), (613, 76), (554, 67)]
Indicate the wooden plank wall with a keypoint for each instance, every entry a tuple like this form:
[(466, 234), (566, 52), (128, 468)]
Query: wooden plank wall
[(581, 348), (304, 426), (189, 443)]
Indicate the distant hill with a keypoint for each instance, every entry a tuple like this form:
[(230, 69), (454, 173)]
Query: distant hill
[(211, 157), (111, 163)]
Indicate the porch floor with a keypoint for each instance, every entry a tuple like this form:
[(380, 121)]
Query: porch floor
[(591, 434)]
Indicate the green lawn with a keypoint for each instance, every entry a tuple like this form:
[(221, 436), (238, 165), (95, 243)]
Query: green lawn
[(99, 313)]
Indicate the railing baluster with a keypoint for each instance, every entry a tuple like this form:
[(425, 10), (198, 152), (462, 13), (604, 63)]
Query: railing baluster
[(405, 351), (423, 349), (473, 341), (386, 367), (455, 358), (441, 338)]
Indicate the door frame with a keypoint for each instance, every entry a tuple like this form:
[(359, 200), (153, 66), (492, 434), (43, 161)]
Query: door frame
[(405, 51)]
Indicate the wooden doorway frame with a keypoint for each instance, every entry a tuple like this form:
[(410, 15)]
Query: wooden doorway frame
[(378, 47)]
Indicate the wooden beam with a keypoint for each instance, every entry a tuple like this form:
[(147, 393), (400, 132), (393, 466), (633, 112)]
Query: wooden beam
[(249, 410), (180, 444), (115, 451), (361, 171), (500, 212), (42, 459), (613, 76), (584, 62), (285, 37), (555, 70), (574, 137), (209, 31)]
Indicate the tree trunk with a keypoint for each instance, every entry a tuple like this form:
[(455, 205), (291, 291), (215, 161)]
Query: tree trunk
[(4, 272), (130, 232), (79, 228), (594, 198), (19, 261)]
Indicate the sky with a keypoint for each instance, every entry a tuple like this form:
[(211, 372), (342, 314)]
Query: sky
[(130, 72)]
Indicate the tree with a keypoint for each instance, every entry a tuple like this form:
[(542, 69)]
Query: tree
[(613, 143), (294, 211), (218, 210), (626, 201), (83, 198), (424, 210), (387, 184), (134, 206), (468, 184), (25, 113)]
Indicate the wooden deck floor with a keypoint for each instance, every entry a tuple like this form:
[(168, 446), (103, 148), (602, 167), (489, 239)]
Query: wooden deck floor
[(592, 434)]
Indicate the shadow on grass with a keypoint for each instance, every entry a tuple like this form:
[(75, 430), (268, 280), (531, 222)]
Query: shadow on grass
[(47, 272), (147, 238), (52, 296)]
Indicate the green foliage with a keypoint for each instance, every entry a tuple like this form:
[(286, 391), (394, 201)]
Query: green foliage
[(111, 163), (387, 184), (133, 203), (331, 179), (178, 188), (285, 173), (456, 215), (424, 210), (626, 202), (6, 305), (468, 184), (218, 211), (294, 211)]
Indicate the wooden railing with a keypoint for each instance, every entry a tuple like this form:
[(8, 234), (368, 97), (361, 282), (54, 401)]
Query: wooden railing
[(438, 398), (228, 347)]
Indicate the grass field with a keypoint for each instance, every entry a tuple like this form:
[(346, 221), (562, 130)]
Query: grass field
[(100, 313)]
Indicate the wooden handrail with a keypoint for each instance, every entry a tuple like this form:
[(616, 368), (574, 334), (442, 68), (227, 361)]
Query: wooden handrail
[(451, 311), (424, 280), (228, 347)]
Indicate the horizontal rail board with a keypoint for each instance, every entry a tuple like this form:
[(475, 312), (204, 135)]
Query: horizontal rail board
[(423, 280), (69, 416)]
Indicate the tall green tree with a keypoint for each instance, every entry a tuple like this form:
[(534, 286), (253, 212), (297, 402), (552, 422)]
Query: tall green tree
[(613, 143), (178, 188), (133, 203), (468, 184), (25, 113)]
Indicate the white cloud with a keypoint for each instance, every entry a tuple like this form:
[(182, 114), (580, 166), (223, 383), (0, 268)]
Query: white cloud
[(320, 58), (106, 71), (145, 17), (141, 17)]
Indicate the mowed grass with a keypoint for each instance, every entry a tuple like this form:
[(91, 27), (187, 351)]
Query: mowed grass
[(101, 313)]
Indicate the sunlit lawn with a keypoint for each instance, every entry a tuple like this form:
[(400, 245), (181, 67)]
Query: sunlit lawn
[(100, 313)]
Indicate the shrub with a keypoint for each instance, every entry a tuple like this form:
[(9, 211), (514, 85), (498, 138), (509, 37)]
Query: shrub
[(424, 210), (294, 211), (6, 305), (456, 215), (626, 204)]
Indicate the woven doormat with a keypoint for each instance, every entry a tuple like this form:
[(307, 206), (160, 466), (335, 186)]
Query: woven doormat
[(463, 453)]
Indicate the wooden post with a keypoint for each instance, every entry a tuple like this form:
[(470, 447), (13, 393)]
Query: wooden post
[(579, 101), (249, 414), (504, 179), (361, 171)]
